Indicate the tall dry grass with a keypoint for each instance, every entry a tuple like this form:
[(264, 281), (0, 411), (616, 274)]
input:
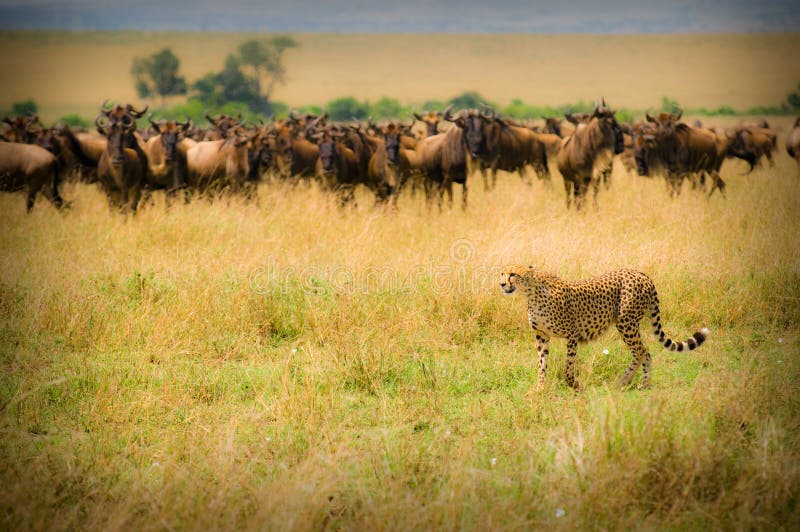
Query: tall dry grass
[(288, 365)]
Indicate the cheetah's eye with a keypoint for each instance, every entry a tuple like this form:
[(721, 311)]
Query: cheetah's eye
[(511, 275)]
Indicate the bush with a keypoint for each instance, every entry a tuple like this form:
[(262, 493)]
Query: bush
[(74, 120), (26, 107), (347, 108), (387, 108), (468, 100)]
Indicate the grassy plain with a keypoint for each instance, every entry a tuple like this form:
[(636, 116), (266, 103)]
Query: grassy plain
[(287, 365), (73, 72)]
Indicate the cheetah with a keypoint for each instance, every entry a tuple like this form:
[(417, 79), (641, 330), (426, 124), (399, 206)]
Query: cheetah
[(581, 311)]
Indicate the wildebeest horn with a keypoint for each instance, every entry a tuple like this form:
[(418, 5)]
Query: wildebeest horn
[(150, 119), (103, 108), (446, 114), (100, 124), (210, 119), (603, 100), (649, 118), (679, 115), (137, 114), (416, 116)]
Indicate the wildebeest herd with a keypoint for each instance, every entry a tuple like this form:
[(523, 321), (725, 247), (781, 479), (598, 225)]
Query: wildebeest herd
[(231, 156)]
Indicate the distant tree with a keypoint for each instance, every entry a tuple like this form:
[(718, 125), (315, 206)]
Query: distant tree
[(26, 107), (229, 85), (386, 108), (158, 75), (670, 105), (347, 108), (263, 61), (793, 99), (74, 120), (467, 100)]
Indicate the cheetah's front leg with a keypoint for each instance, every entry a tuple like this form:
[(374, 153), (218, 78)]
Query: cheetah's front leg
[(542, 345)]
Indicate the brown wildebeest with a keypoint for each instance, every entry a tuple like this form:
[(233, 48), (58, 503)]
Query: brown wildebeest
[(389, 167), (586, 155), (120, 171), (442, 160), (793, 142), (22, 129), (214, 165), (167, 163), (338, 167), (753, 143), (30, 168), (682, 151), (221, 125), (431, 120), (492, 144)]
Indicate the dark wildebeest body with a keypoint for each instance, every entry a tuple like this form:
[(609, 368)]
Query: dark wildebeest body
[(586, 155), (30, 168)]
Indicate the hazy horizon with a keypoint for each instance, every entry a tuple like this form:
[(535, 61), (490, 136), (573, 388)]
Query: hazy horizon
[(410, 16)]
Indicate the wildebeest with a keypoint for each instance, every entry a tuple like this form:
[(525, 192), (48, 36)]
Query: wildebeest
[(442, 161), (752, 143), (120, 170), (793, 142), (338, 167), (214, 165), (167, 164), (587, 154), (493, 144), (431, 120), (389, 166), (30, 168), (682, 151)]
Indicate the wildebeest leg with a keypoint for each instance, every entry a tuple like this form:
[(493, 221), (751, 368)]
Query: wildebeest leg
[(31, 198), (595, 191), (717, 183), (568, 187), (55, 198), (464, 197), (770, 159), (606, 175)]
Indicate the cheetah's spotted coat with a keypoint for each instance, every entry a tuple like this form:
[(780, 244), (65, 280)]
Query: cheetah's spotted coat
[(580, 311)]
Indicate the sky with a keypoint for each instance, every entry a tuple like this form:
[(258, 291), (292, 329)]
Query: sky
[(406, 16)]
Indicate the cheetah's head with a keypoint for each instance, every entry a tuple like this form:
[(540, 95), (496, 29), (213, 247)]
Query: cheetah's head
[(510, 278)]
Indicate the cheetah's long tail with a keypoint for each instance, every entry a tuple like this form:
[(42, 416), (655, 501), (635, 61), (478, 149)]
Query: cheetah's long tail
[(693, 342)]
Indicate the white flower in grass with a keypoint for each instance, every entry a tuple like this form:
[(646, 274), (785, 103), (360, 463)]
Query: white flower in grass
[(294, 350), (560, 512), (605, 351), (493, 461), (780, 340)]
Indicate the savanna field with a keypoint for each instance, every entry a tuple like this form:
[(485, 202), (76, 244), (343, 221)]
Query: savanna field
[(286, 364), (233, 364)]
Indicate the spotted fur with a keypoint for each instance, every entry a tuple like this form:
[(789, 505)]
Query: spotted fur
[(580, 311)]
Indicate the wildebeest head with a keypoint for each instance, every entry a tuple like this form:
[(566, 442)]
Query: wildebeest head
[(643, 143), (327, 151), (431, 120), (224, 123), (391, 138), (23, 128), (605, 116), (471, 122), (552, 125), (170, 132), (118, 132)]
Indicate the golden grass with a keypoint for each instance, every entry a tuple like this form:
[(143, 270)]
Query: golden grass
[(74, 72), (242, 365)]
